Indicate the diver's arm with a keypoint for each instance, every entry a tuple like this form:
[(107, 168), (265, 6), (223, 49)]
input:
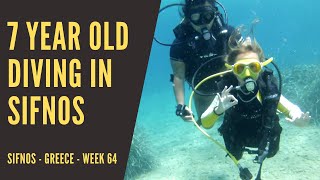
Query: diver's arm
[(284, 105), (292, 112), (178, 68), (208, 118)]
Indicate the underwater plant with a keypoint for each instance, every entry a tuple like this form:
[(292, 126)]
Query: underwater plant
[(301, 85), (140, 159)]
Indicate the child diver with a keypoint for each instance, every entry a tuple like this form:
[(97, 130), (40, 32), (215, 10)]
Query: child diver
[(249, 101)]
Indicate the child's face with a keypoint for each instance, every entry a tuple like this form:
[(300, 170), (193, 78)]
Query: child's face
[(247, 55)]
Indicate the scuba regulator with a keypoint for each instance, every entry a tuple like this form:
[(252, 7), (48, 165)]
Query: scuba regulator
[(250, 85)]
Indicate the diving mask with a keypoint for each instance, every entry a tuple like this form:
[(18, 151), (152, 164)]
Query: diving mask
[(245, 68), (202, 15)]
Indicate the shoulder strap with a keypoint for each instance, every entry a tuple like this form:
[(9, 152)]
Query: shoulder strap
[(182, 31), (270, 98)]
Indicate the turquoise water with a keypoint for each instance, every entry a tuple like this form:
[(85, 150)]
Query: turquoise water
[(173, 149)]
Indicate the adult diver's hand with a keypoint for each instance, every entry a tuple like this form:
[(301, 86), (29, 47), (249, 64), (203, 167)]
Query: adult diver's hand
[(226, 100), (187, 115), (299, 118), (184, 112)]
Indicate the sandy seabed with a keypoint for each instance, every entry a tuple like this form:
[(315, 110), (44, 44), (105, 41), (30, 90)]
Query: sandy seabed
[(182, 152)]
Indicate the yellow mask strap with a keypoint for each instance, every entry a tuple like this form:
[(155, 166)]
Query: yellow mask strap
[(264, 63)]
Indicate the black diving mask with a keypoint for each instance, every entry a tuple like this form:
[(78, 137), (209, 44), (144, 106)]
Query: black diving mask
[(202, 16)]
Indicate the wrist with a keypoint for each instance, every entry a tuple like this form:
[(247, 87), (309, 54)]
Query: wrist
[(217, 111), (180, 108)]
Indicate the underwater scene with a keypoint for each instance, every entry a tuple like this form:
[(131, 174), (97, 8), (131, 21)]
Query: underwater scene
[(164, 147)]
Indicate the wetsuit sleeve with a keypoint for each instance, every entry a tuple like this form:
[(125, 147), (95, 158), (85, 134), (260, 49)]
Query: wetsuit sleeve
[(208, 118), (177, 51), (285, 106)]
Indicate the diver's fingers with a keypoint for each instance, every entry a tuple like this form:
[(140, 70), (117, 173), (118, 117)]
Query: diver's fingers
[(219, 98), (228, 90), (228, 98), (187, 118), (306, 116), (229, 101), (187, 108), (289, 119), (223, 93), (190, 113), (234, 100), (303, 120)]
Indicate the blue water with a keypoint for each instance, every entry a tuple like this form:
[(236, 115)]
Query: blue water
[(288, 31)]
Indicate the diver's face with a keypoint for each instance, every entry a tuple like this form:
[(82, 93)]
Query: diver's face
[(247, 56), (202, 16)]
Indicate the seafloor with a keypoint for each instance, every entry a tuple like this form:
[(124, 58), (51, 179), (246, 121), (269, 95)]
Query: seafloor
[(165, 147)]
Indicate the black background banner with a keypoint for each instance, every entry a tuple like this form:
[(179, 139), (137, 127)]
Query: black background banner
[(110, 113)]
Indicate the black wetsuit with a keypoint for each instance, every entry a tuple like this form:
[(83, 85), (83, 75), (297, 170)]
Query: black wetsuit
[(252, 124), (196, 51)]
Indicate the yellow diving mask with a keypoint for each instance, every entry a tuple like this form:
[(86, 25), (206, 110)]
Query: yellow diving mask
[(244, 68)]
